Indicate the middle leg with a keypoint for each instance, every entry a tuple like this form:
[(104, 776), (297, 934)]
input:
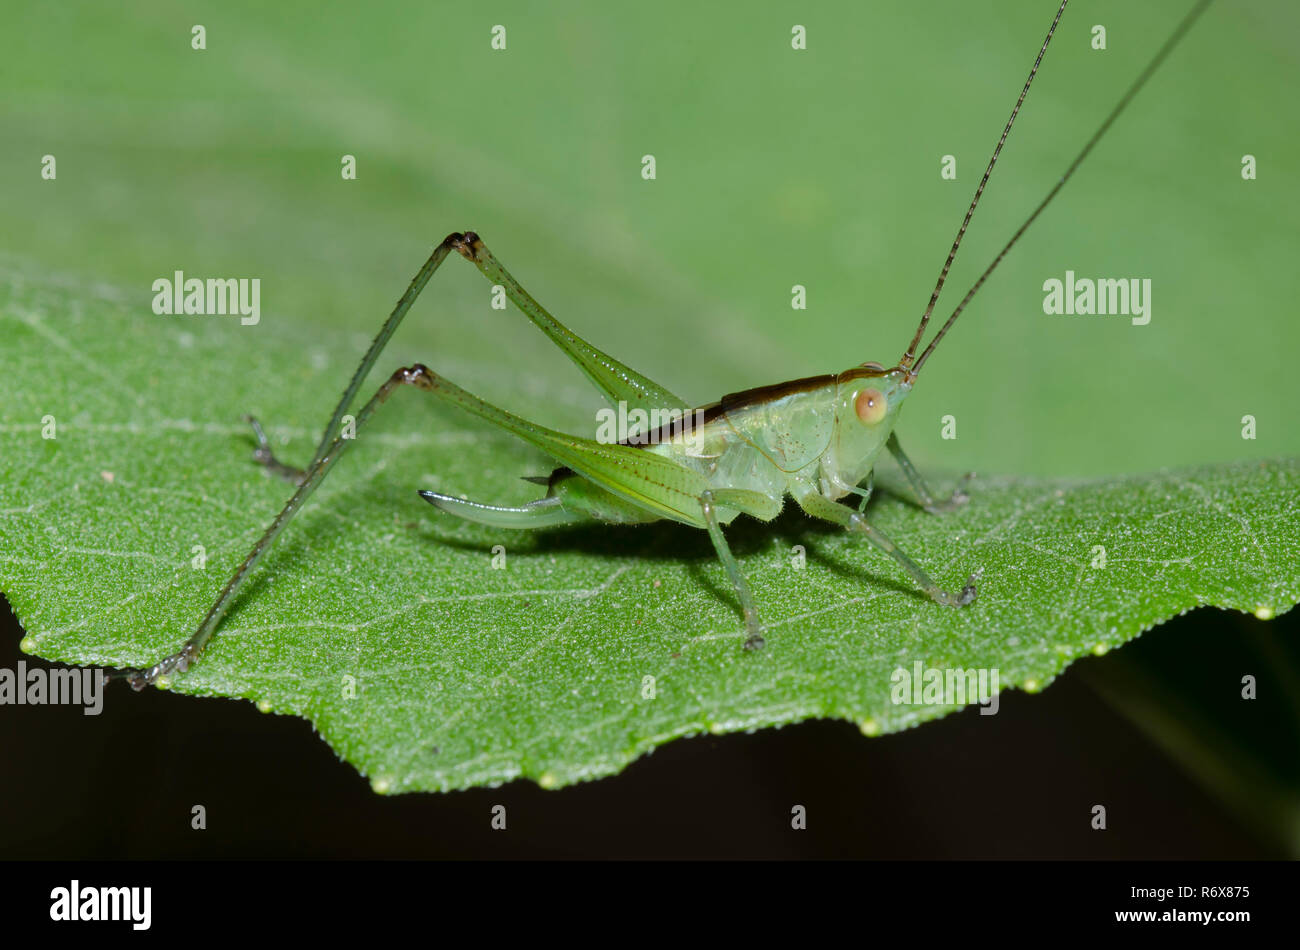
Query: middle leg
[(821, 507), (754, 629)]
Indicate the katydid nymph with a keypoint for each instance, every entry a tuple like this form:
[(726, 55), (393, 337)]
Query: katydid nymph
[(816, 440)]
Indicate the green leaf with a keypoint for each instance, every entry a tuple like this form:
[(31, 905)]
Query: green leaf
[(775, 168), (427, 668)]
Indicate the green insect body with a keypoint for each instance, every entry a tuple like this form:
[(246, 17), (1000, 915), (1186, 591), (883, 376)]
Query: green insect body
[(813, 439), (816, 440), (758, 448)]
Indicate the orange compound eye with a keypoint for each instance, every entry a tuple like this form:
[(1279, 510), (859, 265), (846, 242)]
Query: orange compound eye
[(870, 405)]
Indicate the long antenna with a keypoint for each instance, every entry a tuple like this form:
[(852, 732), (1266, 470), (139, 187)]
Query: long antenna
[(906, 361), (1133, 90)]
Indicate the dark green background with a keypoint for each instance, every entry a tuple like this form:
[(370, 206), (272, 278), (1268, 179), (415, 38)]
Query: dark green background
[(775, 167)]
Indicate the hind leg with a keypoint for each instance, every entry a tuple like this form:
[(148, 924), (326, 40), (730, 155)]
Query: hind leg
[(569, 498)]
